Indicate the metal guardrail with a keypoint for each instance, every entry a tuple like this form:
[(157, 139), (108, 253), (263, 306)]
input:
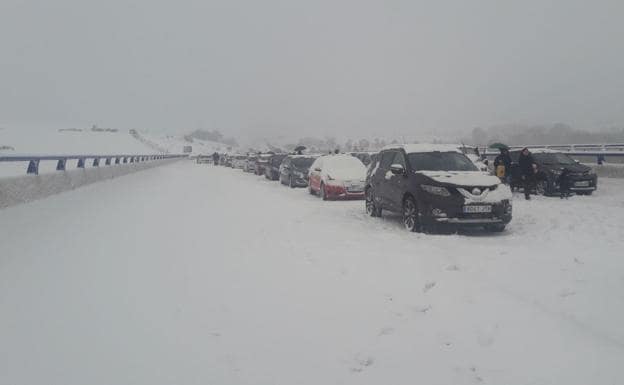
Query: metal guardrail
[(33, 160), (600, 151)]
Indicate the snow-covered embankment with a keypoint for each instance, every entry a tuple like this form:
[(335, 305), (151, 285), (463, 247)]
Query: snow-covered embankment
[(27, 188)]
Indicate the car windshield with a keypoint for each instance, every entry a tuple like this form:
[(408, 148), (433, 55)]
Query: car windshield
[(303, 162), (440, 161), (553, 158)]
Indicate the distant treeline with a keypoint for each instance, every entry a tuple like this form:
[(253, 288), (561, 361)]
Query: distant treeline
[(330, 144), (94, 129), (559, 133)]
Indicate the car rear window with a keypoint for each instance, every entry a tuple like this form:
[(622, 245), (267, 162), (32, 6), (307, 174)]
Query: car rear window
[(303, 162)]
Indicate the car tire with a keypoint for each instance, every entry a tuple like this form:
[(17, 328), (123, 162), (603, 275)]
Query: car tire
[(497, 228), (541, 187), (322, 193), (291, 182), (410, 215), (371, 208)]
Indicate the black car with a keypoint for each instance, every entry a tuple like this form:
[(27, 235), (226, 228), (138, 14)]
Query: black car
[(294, 170), (262, 162), (250, 164), (435, 185), (272, 169), (550, 166)]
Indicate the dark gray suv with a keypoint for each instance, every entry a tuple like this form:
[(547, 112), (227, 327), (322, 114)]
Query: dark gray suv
[(435, 185)]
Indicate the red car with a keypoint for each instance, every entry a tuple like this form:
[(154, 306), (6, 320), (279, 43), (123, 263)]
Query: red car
[(338, 176)]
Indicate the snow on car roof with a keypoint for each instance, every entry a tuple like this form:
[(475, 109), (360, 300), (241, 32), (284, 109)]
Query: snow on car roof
[(342, 159), (541, 151), (303, 156), (423, 147)]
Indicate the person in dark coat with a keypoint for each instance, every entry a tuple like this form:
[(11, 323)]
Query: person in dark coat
[(215, 158), (565, 183), (502, 165), (527, 167)]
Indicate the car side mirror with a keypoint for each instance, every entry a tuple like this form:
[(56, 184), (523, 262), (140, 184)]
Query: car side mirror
[(397, 169), (318, 169)]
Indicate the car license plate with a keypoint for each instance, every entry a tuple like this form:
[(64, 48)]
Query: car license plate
[(356, 187), (477, 209), (584, 183)]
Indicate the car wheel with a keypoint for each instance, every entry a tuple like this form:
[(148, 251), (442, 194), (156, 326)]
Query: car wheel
[(371, 208), (291, 182), (497, 228), (410, 215), (541, 188), (322, 192)]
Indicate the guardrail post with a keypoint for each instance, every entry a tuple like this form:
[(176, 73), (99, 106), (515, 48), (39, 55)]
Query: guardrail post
[(96, 162), (81, 163), (60, 165), (33, 167), (107, 162)]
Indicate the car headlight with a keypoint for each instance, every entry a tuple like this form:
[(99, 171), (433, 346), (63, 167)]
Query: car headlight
[(557, 172), (299, 174), (436, 190)]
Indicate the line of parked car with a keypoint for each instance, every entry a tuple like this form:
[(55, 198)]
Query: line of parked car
[(430, 185)]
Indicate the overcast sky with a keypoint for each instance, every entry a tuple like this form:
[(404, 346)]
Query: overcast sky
[(314, 67)]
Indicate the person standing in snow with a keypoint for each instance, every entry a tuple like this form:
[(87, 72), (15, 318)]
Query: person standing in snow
[(502, 165), (215, 158), (528, 168), (565, 183)]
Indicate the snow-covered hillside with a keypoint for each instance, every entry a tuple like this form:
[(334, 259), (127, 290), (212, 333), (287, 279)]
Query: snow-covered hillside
[(52, 141), (14, 141), (176, 143), (224, 277)]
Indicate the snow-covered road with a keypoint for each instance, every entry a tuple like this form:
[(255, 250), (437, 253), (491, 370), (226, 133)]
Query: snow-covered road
[(192, 274)]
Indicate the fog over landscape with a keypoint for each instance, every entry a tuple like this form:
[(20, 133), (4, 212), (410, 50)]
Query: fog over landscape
[(288, 192), (284, 70)]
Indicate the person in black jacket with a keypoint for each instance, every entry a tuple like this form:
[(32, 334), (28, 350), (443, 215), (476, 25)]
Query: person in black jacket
[(565, 183), (215, 158), (527, 171), (502, 165)]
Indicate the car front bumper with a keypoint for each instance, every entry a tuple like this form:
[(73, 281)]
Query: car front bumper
[(501, 213)]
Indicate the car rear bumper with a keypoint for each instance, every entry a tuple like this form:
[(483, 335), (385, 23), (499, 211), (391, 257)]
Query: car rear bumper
[(300, 182), (340, 192), (583, 189)]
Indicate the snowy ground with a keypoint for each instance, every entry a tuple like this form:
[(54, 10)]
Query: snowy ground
[(193, 274)]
